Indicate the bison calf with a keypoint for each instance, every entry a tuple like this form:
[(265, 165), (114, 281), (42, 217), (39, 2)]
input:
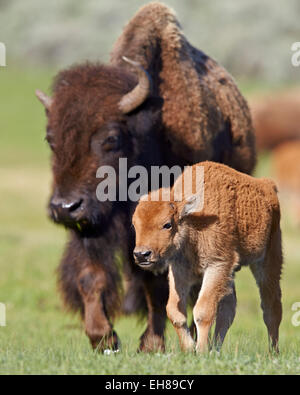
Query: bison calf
[(238, 225)]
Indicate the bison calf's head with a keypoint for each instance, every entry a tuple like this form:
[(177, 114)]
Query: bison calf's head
[(97, 115), (158, 225), (155, 227)]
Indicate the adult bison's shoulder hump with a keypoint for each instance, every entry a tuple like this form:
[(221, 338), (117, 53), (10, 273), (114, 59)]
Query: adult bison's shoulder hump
[(205, 117)]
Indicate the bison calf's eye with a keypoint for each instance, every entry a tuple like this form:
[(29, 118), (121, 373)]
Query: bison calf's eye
[(168, 225)]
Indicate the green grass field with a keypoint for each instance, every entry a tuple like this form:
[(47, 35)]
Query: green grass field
[(40, 337)]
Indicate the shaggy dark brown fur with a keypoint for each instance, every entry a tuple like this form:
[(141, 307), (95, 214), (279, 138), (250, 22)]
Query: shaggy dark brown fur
[(195, 112), (204, 115), (83, 115)]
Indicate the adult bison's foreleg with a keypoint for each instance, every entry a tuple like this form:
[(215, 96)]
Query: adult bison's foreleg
[(92, 283), (156, 292)]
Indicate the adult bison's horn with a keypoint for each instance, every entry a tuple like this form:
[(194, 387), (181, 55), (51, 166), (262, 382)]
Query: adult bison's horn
[(44, 99), (139, 94)]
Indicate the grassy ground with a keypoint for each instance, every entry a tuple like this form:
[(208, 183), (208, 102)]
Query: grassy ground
[(40, 337)]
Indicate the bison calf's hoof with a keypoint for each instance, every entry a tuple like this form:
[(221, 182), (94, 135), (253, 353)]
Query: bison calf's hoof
[(104, 343)]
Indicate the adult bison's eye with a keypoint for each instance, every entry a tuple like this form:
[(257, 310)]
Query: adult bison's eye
[(49, 139), (107, 139), (168, 225), (112, 143)]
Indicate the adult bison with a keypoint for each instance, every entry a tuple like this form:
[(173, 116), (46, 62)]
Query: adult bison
[(180, 107)]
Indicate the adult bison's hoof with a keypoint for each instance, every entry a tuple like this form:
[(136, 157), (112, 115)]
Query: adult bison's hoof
[(152, 343), (107, 343)]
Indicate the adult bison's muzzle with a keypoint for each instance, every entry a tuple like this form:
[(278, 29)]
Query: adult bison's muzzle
[(69, 212)]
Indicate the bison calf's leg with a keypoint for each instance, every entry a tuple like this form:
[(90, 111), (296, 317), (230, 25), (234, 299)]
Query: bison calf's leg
[(176, 307), (224, 319), (156, 292), (225, 316), (99, 330), (267, 276), (214, 287)]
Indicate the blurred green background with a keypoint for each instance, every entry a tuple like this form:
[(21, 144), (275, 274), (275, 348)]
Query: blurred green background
[(253, 41), (250, 38)]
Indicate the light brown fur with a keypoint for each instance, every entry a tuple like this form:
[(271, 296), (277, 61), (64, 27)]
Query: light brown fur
[(238, 225)]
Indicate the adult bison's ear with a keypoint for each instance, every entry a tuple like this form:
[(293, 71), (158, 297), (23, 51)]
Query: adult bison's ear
[(44, 99)]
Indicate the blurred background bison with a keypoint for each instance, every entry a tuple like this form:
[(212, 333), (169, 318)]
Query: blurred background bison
[(252, 40), (286, 167), (276, 120)]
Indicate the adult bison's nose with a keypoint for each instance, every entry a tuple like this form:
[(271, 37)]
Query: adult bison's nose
[(66, 211), (142, 256)]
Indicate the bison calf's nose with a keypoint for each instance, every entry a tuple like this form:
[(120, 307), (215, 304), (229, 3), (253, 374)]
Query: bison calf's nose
[(142, 256)]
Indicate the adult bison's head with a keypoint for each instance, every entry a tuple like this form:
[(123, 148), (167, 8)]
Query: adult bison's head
[(97, 114)]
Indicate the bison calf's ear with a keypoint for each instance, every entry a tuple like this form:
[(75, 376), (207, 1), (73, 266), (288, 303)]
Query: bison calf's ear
[(192, 205)]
